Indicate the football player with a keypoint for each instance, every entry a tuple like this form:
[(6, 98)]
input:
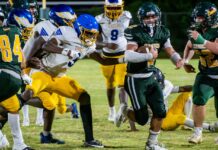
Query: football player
[(18, 21), (140, 84), (112, 23), (180, 111), (33, 7), (203, 39), (77, 42), (55, 66), (60, 15)]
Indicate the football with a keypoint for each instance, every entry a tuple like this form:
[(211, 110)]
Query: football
[(143, 49)]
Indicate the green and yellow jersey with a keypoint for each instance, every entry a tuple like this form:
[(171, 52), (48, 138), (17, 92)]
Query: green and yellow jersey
[(208, 61), (10, 46)]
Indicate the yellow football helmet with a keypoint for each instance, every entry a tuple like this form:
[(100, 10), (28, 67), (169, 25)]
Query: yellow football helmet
[(113, 8)]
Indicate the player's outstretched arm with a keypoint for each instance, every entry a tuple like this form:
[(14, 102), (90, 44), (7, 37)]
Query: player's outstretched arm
[(102, 60)]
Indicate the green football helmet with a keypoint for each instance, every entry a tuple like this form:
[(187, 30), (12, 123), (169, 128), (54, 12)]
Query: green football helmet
[(19, 4), (34, 9), (204, 15), (149, 16)]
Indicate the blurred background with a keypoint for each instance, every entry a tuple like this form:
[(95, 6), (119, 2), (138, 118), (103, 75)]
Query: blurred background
[(175, 13)]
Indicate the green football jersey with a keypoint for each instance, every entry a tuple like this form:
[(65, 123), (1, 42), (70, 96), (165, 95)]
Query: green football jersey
[(208, 61), (10, 45), (138, 35)]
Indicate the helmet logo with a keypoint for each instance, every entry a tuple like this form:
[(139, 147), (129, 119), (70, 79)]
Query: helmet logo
[(150, 13), (23, 21), (66, 15), (211, 11)]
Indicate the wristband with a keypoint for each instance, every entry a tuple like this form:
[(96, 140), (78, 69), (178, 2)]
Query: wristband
[(175, 57)]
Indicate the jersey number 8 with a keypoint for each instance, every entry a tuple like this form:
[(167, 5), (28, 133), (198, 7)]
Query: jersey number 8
[(114, 34)]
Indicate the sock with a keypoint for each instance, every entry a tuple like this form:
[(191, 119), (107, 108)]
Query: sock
[(198, 130), (46, 133), (188, 107), (175, 89), (112, 110), (25, 109), (86, 115), (1, 134), (123, 96), (14, 123), (39, 116), (190, 123), (152, 137), (206, 126)]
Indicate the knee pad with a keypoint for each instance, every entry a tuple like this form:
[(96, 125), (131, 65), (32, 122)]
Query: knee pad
[(84, 99), (141, 116)]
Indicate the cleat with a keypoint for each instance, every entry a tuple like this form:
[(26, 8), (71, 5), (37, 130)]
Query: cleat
[(28, 148), (111, 116), (22, 147), (74, 112), (26, 122), (4, 142), (93, 143), (154, 146), (213, 127), (195, 139), (39, 122), (49, 139), (120, 117)]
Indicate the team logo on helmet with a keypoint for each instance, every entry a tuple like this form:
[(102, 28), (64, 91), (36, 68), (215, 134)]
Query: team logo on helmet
[(66, 15), (211, 11)]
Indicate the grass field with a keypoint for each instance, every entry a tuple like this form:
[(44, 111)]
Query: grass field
[(88, 73)]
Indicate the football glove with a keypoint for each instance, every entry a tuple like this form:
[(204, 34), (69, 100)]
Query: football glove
[(75, 57), (26, 79), (189, 68)]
